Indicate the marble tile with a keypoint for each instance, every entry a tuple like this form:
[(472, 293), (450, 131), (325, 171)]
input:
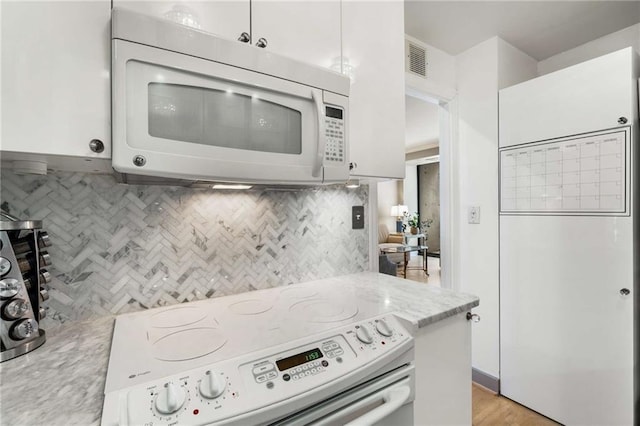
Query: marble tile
[(119, 248), (61, 382)]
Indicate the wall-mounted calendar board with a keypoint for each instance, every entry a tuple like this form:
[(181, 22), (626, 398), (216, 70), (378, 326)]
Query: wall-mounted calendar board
[(587, 174)]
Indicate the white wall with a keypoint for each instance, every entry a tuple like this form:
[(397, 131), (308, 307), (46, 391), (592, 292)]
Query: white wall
[(387, 197), (422, 127), (441, 74), (410, 185), (514, 66), (481, 71), (476, 178), (610, 43)]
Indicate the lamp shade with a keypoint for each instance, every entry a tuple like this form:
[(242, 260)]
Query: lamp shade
[(399, 210)]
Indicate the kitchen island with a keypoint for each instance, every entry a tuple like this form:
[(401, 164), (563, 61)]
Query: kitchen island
[(62, 382)]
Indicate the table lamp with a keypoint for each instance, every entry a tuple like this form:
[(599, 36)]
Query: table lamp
[(399, 212)]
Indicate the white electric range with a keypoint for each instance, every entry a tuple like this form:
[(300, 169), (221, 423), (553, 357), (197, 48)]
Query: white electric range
[(298, 354)]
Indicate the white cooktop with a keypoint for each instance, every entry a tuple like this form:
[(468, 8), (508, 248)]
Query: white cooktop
[(158, 342)]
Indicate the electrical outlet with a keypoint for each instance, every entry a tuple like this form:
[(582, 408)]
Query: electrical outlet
[(357, 217), (474, 214)]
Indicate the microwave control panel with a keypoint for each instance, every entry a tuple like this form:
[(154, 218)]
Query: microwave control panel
[(334, 134)]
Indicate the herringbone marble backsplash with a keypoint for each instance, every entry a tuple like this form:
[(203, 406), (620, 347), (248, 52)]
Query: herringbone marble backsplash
[(119, 248)]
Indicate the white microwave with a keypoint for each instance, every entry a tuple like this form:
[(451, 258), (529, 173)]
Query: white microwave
[(192, 106)]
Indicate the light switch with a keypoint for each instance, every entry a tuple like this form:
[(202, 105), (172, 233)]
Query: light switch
[(474, 214), (357, 217)]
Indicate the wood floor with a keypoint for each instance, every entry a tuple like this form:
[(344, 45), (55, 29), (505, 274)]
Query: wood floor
[(489, 409), (417, 274)]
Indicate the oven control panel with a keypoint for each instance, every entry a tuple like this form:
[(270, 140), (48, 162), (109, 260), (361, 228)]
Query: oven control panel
[(234, 388), (309, 364)]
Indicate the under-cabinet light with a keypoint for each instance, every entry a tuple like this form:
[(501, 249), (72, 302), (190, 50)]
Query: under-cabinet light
[(228, 186), (353, 183)]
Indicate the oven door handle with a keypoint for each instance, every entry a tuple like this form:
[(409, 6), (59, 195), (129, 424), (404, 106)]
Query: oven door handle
[(319, 160), (392, 399), (386, 401)]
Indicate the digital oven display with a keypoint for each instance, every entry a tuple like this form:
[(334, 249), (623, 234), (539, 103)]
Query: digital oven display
[(334, 113), (295, 360)]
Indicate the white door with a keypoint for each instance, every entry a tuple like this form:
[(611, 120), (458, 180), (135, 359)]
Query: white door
[(567, 290), (566, 330), (207, 124)]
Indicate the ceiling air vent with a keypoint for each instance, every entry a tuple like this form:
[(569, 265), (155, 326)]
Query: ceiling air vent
[(415, 58)]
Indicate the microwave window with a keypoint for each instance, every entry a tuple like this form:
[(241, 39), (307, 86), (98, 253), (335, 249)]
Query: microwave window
[(224, 119)]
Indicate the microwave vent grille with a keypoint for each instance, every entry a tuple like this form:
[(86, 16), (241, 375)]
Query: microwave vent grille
[(416, 58)]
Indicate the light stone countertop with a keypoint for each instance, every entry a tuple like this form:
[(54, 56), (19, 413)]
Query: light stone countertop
[(62, 382)]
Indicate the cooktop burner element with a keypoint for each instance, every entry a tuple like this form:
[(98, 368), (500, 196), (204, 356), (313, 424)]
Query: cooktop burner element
[(250, 307), (188, 344), (178, 317), (323, 310)]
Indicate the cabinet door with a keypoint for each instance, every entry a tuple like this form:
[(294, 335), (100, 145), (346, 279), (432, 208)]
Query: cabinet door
[(602, 89), (443, 373), (227, 19), (55, 78), (566, 331), (307, 30), (373, 43)]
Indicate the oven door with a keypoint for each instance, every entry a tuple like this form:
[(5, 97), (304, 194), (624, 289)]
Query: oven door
[(385, 400), (179, 116)]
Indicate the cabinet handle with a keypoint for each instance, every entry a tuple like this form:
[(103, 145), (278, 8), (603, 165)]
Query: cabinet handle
[(244, 37), (262, 42), (353, 166), (96, 145), (473, 317), (622, 120), (625, 291)]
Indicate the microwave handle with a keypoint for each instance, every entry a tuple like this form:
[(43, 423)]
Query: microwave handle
[(319, 161)]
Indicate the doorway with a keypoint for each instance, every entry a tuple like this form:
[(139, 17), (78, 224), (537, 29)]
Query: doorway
[(432, 149)]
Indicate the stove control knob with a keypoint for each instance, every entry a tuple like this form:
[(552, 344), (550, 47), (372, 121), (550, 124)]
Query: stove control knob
[(383, 328), (212, 385), (362, 333), (170, 399)]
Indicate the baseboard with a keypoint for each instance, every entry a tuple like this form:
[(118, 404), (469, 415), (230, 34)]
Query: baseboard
[(485, 380)]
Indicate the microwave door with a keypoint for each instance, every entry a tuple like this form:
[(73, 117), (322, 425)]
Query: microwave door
[(197, 119)]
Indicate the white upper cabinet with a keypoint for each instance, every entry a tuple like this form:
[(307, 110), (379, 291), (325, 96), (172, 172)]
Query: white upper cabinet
[(305, 30), (56, 64), (373, 43), (55, 82), (602, 89), (228, 19)]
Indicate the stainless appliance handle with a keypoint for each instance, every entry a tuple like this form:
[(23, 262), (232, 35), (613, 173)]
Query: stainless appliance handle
[(391, 398), (319, 161)]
